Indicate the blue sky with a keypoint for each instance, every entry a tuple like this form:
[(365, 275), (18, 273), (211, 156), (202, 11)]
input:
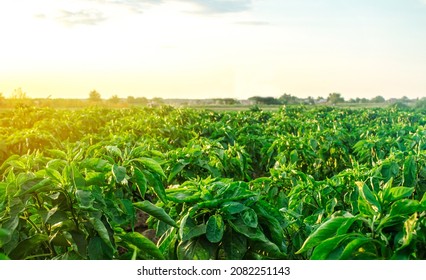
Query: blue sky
[(213, 48)]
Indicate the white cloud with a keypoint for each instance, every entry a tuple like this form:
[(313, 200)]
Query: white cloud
[(81, 17)]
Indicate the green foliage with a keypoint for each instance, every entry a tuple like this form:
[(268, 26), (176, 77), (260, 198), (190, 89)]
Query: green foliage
[(168, 183)]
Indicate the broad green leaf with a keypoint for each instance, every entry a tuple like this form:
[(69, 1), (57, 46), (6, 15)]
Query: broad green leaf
[(114, 151), (294, 156), (80, 243), (4, 236), (119, 173), (54, 175), (404, 207), (143, 244), (157, 185), (196, 249), (409, 229), (98, 250), (152, 165), (326, 247), (410, 172), (140, 181), (76, 177), (35, 185), (155, 211), (268, 249), (234, 245), (178, 167), (368, 196), (181, 195), (365, 208), (96, 164), (189, 229), (85, 199), (167, 239), (353, 248), (3, 188), (28, 247), (102, 231), (232, 207), (249, 218), (3, 257), (400, 192), (215, 228), (254, 234), (325, 231)]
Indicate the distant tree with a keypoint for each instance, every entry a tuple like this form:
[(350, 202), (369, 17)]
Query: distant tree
[(131, 100), (157, 100), (288, 99), (141, 100), (114, 99), (265, 100), (335, 98), (19, 94), (311, 100), (421, 104), (378, 99), (224, 101), (404, 99), (95, 96)]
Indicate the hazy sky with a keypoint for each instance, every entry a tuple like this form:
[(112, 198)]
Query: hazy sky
[(213, 48)]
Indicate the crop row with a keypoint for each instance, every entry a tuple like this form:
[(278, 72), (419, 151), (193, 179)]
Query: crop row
[(171, 183)]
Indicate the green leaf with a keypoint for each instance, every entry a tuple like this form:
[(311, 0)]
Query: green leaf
[(404, 207), (140, 181), (325, 231), (80, 242), (294, 156), (167, 239), (27, 247), (196, 249), (119, 173), (234, 245), (102, 231), (143, 244), (249, 218), (4, 236), (189, 229), (268, 249), (232, 207), (323, 250), (400, 192), (114, 151), (3, 257), (178, 167), (96, 164), (369, 196), (157, 185), (155, 211), (352, 248), (215, 228), (409, 229), (410, 172), (152, 165), (98, 250), (35, 186), (85, 199), (55, 175), (254, 234), (76, 177)]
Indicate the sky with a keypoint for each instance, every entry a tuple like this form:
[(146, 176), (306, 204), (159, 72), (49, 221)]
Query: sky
[(213, 48)]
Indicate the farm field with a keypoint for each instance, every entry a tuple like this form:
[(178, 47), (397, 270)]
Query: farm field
[(170, 183)]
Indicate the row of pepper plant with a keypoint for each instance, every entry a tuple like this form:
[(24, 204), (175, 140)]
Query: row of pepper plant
[(177, 183)]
